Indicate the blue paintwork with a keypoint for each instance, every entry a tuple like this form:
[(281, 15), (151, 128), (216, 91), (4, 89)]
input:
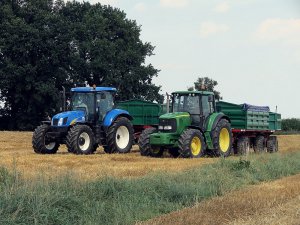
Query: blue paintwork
[(79, 116), (91, 89), (112, 115)]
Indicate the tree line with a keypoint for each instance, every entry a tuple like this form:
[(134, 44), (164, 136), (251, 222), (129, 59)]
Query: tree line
[(47, 44)]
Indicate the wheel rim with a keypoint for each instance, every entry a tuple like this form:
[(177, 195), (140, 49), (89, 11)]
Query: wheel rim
[(224, 140), (122, 137), (84, 141), (196, 146), (50, 145)]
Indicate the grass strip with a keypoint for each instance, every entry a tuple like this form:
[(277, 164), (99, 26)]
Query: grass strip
[(110, 200)]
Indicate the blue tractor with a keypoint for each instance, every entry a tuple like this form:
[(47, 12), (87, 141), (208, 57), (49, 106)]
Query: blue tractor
[(92, 121)]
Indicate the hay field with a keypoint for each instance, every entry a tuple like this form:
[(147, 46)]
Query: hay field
[(16, 152)]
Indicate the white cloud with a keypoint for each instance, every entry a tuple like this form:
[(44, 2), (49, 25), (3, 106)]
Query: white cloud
[(140, 7), (284, 30), (212, 28), (174, 3), (222, 7)]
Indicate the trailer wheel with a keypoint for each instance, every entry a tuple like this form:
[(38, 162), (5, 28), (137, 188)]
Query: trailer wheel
[(80, 140), (272, 144), (120, 136), (259, 144), (144, 144), (191, 144), (243, 146), (222, 138), (40, 143)]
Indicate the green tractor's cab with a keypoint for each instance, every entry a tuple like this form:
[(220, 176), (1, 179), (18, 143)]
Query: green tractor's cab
[(192, 127)]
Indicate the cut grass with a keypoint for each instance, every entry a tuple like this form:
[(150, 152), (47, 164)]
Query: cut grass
[(67, 200)]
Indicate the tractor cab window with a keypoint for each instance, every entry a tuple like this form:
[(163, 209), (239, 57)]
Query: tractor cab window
[(207, 104), (186, 103), (105, 102), (83, 101)]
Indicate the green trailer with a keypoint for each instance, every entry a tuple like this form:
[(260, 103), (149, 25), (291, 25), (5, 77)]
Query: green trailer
[(252, 126), (145, 114)]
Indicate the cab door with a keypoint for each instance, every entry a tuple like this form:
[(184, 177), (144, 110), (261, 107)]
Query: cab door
[(208, 107)]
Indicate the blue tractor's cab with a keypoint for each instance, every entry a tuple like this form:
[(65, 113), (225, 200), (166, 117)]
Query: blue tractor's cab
[(92, 120)]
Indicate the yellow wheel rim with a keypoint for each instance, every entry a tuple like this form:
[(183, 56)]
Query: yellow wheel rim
[(224, 140), (196, 146)]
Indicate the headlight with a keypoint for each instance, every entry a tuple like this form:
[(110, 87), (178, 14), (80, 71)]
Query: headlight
[(60, 122), (160, 127), (167, 127)]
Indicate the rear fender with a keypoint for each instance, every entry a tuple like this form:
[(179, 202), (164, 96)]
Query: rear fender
[(112, 115), (211, 123)]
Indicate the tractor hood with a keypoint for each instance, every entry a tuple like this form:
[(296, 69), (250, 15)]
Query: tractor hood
[(174, 115), (68, 118)]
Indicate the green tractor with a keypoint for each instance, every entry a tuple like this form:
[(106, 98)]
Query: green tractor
[(192, 128)]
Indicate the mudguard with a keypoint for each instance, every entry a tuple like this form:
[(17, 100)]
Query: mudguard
[(211, 123), (113, 114)]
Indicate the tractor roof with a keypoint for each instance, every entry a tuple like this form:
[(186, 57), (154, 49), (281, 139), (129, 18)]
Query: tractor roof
[(91, 89), (193, 92)]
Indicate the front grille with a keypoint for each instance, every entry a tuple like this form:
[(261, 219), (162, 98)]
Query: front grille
[(168, 122)]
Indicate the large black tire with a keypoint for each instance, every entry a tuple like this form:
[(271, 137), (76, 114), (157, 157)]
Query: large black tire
[(272, 144), (243, 146), (191, 144), (40, 144), (259, 144), (222, 138), (81, 140), (144, 144), (120, 136)]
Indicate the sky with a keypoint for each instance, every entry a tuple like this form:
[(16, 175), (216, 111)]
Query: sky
[(251, 47)]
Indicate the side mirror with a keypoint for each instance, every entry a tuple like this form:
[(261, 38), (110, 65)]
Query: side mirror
[(210, 98)]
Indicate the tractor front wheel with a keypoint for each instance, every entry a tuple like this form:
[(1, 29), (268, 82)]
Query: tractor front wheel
[(272, 144), (144, 144), (222, 138), (120, 136), (191, 144), (41, 144), (80, 140)]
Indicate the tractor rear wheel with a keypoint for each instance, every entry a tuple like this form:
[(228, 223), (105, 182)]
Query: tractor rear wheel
[(80, 140), (191, 144), (272, 144), (144, 144), (243, 146), (222, 138), (259, 144), (120, 136), (40, 143)]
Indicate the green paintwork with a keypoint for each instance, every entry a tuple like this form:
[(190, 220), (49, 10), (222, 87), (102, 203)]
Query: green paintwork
[(249, 120), (183, 120), (164, 139), (209, 127), (143, 112)]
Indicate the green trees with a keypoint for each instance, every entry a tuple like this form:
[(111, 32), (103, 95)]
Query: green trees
[(46, 44), (207, 84), (291, 125)]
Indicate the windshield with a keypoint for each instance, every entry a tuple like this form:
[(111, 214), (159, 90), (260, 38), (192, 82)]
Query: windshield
[(83, 101), (186, 103)]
